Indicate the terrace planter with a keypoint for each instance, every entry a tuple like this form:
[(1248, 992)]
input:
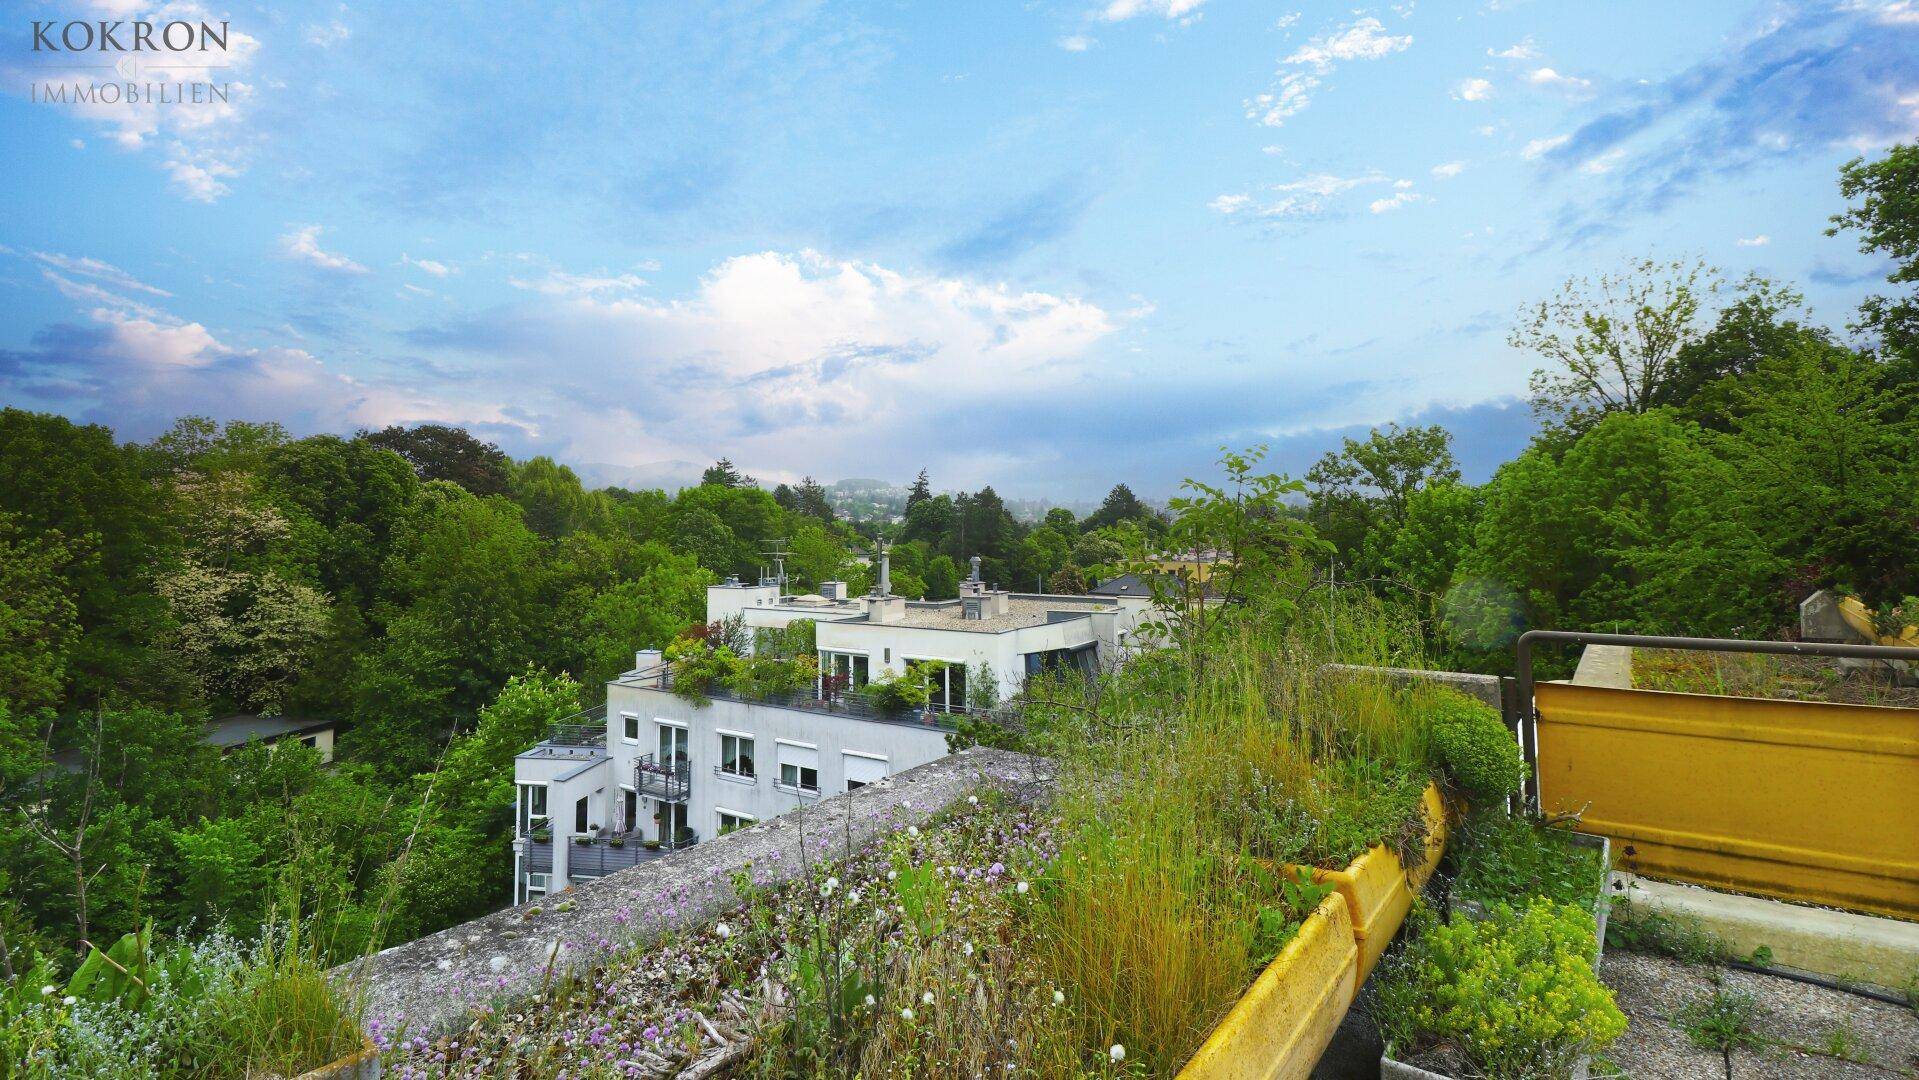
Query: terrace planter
[(362, 1064), (1282, 1024), (1391, 1068), (1379, 891)]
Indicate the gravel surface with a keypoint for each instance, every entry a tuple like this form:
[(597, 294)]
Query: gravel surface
[(1795, 1021)]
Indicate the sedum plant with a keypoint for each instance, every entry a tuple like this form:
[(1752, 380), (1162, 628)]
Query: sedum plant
[(1514, 994)]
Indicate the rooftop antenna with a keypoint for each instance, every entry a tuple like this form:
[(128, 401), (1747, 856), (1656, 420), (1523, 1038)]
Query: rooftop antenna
[(776, 550)]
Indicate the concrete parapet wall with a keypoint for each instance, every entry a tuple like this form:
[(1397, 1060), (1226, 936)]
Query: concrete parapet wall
[(1483, 687), (431, 985)]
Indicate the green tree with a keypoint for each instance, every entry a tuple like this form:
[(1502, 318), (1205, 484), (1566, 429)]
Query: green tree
[(1120, 505), (38, 620), (554, 502), (643, 613), (1887, 221), (439, 452), (1364, 489)]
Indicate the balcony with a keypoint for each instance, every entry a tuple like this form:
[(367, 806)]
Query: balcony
[(599, 856), (668, 782), (834, 700)]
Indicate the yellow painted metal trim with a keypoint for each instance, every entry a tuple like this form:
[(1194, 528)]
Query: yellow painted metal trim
[(1279, 1029), (1805, 801), (1379, 891)]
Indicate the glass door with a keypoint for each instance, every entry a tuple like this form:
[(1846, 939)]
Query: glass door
[(672, 746)]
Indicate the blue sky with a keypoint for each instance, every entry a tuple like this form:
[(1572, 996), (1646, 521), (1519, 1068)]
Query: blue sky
[(1044, 245)]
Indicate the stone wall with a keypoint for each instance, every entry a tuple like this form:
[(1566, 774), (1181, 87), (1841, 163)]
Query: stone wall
[(1483, 687), (432, 984)]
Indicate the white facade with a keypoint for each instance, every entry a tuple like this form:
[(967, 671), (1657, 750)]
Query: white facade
[(654, 770)]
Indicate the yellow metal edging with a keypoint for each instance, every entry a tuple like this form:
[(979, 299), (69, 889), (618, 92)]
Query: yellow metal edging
[(1282, 1024), (1805, 801), (1279, 1029)]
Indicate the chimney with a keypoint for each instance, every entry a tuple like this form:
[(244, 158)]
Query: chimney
[(975, 562), (886, 574), (649, 662), (833, 590)]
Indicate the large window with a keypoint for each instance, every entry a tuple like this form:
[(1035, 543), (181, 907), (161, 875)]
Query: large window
[(946, 683), (672, 745), (848, 670), (630, 727), (736, 756), (731, 821), (532, 807)]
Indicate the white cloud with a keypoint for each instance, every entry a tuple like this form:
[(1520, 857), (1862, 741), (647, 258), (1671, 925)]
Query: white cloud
[(1550, 79), (1308, 197), (1473, 90), (1604, 162), (561, 283), (1302, 71), (1398, 199), (327, 35), (303, 245), (1121, 10), (430, 266), (1448, 170), (1755, 241), (781, 350), (1543, 146), (106, 273), (1888, 12), (1363, 39), (202, 180), (1076, 43), (1524, 50), (1286, 21)]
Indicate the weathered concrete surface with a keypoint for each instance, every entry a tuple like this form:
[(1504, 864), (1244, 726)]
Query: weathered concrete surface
[(1605, 665), (1842, 944), (431, 985), (1483, 687), (1797, 1027)]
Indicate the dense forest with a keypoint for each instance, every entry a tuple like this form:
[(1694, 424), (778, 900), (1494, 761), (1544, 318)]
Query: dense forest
[(1707, 455)]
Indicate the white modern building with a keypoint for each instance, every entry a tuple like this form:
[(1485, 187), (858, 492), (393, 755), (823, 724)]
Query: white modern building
[(652, 771)]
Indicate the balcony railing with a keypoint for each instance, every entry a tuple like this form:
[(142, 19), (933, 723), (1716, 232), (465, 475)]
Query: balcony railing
[(670, 781), (838, 702), (584, 728), (599, 855)]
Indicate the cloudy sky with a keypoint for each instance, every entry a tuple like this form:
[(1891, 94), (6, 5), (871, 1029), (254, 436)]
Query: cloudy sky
[(1048, 245)]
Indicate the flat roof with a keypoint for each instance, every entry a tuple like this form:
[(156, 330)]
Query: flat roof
[(1021, 611), (242, 728)]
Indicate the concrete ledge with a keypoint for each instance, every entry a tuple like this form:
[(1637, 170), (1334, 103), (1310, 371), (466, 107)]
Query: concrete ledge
[(1605, 665), (1842, 944), (431, 985), (1483, 687)]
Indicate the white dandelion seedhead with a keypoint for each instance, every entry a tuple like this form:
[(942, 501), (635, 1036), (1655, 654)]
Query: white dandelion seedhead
[(1059, 997), (972, 800), (926, 998), (906, 1014), (723, 930), (1021, 888), (1117, 1053)]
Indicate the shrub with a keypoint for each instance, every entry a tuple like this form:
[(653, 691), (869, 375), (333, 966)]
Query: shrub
[(905, 693), (1514, 993), (760, 678), (697, 666), (1474, 747), (1502, 857)]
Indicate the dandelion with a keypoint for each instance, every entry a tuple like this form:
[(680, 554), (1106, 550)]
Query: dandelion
[(831, 884), (870, 1002), (972, 800), (69, 1000), (1021, 888), (906, 1014), (1117, 1053), (724, 931), (913, 830), (966, 948), (1059, 997), (46, 991), (892, 874)]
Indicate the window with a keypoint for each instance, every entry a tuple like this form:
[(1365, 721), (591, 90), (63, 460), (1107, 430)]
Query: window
[(672, 744), (850, 671), (799, 766), (579, 814), (532, 807), (945, 683), (631, 817), (309, 740), (736, 756), (535, 885), (631, 730), (862, 769), (730, 821)]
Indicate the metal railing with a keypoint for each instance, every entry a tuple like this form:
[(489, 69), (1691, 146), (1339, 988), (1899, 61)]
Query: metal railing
[(670, 781), (584, 728), (842, 703)]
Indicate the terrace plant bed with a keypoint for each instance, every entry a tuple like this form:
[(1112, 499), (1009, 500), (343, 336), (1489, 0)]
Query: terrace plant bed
[(1759, 675)]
